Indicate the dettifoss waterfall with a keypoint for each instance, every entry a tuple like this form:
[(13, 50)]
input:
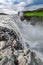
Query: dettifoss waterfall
[(31, 36)]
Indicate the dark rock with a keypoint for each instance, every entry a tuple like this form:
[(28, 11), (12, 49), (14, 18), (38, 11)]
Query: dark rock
[(5, 37), (22, 18), (33, 23), (4, 61), (18, 45)]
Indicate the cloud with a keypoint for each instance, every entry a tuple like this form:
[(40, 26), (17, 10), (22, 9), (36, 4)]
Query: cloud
[(20, 6), (34, 7), (17, 7), (29, 1), (12, 9), (2, 1), (8, 11)]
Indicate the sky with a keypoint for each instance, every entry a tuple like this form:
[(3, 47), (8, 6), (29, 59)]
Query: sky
[(13, 6)]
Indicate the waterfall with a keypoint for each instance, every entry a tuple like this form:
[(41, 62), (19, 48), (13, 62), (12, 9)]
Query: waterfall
[(9, 22), (32, 35), (29, 36)]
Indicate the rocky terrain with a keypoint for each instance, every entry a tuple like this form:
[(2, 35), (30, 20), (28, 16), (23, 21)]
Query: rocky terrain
[(34, 19), (12, 51)]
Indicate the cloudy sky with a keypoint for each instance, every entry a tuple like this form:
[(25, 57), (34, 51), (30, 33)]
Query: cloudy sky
[(13, 6)]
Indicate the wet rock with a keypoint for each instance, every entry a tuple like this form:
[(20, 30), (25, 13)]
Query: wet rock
[(2, 44), (26, 51), (21, 60), (10, 63), (7, 58), (10, 37), (4, 61), (14, 43), (32, 23), (28, 59), (9, 42), (16, 53), (21, 52), (17, 45), (22, 18), (6, 30), (6, 52), (4, 36), (13, 34), (6, 33), (35, 60), (12, 52), (1, 36)]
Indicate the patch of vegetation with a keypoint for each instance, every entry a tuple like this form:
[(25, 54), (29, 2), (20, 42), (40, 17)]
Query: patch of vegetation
[(38, 12), (33, 13)]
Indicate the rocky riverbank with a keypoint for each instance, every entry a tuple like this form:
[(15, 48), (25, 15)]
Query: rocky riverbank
[(34, 19), (11, 51)]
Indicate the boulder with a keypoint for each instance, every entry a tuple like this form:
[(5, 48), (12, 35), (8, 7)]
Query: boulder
[(26, 51), (14, 43), (2, 44), (21, 60), (16, 53), (7, 58)]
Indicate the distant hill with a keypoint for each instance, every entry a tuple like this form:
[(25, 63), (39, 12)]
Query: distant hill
[(3, 14), (40, 9)]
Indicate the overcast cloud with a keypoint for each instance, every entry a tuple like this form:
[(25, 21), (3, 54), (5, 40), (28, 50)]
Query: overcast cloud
[(13, 6)]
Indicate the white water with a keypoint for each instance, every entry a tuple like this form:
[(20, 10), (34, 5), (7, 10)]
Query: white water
[(30, 36)]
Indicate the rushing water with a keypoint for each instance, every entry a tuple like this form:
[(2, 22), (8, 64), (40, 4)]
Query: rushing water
[(30, 36)]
